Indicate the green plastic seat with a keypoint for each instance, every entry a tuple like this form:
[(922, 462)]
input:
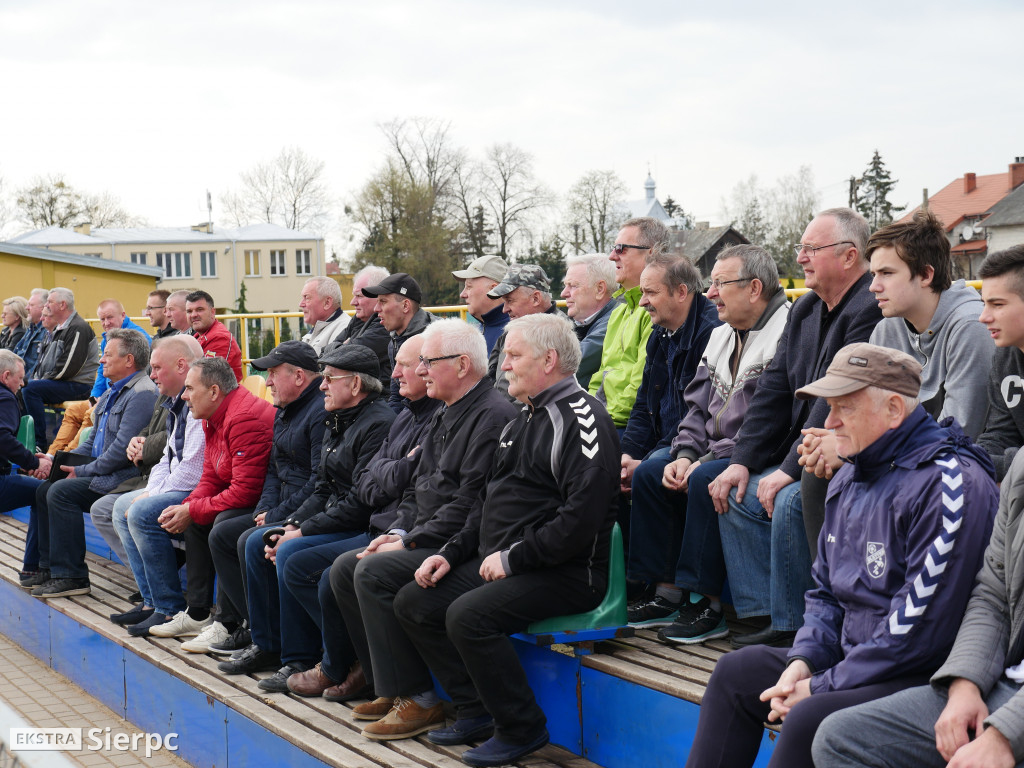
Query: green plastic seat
[(84, 435), (612, 610), (27, 433)]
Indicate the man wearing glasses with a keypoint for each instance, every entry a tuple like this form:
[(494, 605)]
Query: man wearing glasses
[(156, 310), (622, 361), (757, 496)]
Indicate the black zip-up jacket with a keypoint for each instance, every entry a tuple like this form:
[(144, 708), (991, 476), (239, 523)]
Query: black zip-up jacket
[(552, 495), (353, 436), (370, 333), (457, 454), (12, 451), (419, 322), (382, 482), (295, 458), (76, 353)]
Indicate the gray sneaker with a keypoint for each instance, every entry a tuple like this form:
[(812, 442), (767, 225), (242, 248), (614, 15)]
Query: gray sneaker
[(703, 623)]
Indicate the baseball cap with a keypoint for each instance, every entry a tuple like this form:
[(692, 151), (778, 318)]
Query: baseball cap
[(399, 283), (297, 353), (492, 266), (861, 365), (521, 275)]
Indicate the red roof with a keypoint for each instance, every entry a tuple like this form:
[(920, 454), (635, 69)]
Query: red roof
[(951, 204), (971, 246)]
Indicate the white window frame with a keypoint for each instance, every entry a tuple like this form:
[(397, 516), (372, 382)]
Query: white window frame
[(277, 264), (303, 261), (139, 257), (177, 265), (252, 258), (207, 264)]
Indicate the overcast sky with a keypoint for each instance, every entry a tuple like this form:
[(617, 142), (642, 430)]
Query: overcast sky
[(158, 102)]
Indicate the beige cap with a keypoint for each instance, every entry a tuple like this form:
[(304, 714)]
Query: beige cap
[(493, 267), (860, 365)]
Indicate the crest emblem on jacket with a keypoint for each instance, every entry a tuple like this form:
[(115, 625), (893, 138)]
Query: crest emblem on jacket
[(875, 559)]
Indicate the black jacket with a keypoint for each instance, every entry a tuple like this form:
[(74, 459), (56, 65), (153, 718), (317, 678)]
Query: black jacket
[(370, 333), (353, 436), (457, 455), (75, 353), (552, 495), (294, 459), (382, 482), (11, 451), (416, 326), (771, 427)]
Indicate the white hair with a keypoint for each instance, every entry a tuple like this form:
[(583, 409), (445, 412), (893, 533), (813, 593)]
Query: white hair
[(542, 332), (459, 338), (599, 267)]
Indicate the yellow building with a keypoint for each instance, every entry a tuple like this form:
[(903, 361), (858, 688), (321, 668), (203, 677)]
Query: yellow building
[(91, 279), (272, 261)]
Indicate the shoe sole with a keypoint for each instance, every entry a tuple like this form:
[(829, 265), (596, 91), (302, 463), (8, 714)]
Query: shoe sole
[(366, 692), (484, 762), (191, 647), (465, 738), (368, 717), (653, 623), (223, 651), (65, 593), (155, 632), (404, 734), (712, 635)]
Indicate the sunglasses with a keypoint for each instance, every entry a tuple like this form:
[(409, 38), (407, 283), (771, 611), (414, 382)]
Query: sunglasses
[(618, 248)]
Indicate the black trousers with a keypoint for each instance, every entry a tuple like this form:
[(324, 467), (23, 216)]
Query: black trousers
[(731, 721), (461, 628), (199, 570), (227, 548)]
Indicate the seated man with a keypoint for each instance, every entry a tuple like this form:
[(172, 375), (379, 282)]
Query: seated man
[(212, 334), (589, 285), (380, 485), (364, 327), (29, 345), (149, 552), (321, 311), (176, 313), (239, 432), (111, 315), (456, 456), (156, 311), (67, 369), (971, 712), (478, 279), (294, 379), (674, 542), (905, 529), (59, 508), (281, 579), (536, 546)]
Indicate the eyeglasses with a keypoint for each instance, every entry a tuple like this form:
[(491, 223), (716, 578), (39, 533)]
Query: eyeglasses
[(618, 248), (717, 284), (328, 378), (800, 247), (150, 309), (429, 361)]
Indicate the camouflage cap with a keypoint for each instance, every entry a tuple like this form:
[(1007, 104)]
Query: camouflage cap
[(521, 275)]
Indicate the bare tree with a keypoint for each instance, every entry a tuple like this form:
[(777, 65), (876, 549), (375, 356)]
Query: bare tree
[(104, 210), (594, 204), (50, 201), (425, 154), (511, 193), (289, 190)]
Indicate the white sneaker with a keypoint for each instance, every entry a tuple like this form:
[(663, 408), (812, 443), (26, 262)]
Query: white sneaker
[(215, 633), (182, 625)]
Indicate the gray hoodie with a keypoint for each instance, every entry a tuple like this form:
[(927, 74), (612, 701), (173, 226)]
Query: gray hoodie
[(956, 353)]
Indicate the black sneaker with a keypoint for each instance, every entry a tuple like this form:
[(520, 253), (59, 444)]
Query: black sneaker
[(136, 615), (239, 640), (33, 579), (656, 612), (278, 682), (703, 623), (62, 588), (252, 659)]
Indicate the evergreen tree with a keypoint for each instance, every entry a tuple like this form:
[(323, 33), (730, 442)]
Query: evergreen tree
[(872, 194), (675, 210)]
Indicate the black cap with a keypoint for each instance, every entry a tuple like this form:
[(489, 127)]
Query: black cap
[(399, 283), (354, 358), (297, 353)]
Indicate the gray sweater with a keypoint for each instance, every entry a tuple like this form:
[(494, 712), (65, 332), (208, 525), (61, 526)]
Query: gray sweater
[(956, 353)]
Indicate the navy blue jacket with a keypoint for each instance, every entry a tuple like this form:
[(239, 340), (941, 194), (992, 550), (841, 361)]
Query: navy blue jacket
[(294, 460), (11, 451), (771, 427), (672, 361), (493, 325)]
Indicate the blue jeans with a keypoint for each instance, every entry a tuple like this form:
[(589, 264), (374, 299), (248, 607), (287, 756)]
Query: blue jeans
[(282, 625), (655, 522), (767, 559), (148, 547), (60, 511), (37, 394), (701, 564), (18, 491)]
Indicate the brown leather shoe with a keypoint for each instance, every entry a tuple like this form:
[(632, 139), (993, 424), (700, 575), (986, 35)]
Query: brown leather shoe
[(312, 682), (405, 720), (373, 710), (353, 687)]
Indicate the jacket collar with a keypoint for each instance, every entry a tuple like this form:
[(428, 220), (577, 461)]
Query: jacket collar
[(556, 391)]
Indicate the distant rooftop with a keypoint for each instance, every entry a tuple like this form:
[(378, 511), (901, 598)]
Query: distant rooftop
[(972, 196), (56, 236), (76, 258)]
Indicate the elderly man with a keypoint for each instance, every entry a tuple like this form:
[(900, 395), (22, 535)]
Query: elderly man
[(365, 327), (536, 547), (526, 290), (674, 542), (478, 280), (906, 526), (239, 433), (456, 456), (120, 413), (282, 574), (762, 529), (380, 485), (299, 424), (622, 361), (213, 335), (156, 311), (398, 307), (589, 285), (321, 311), (30, 343), (111, 315), (176, 313), (135, 515), (70, 363)]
